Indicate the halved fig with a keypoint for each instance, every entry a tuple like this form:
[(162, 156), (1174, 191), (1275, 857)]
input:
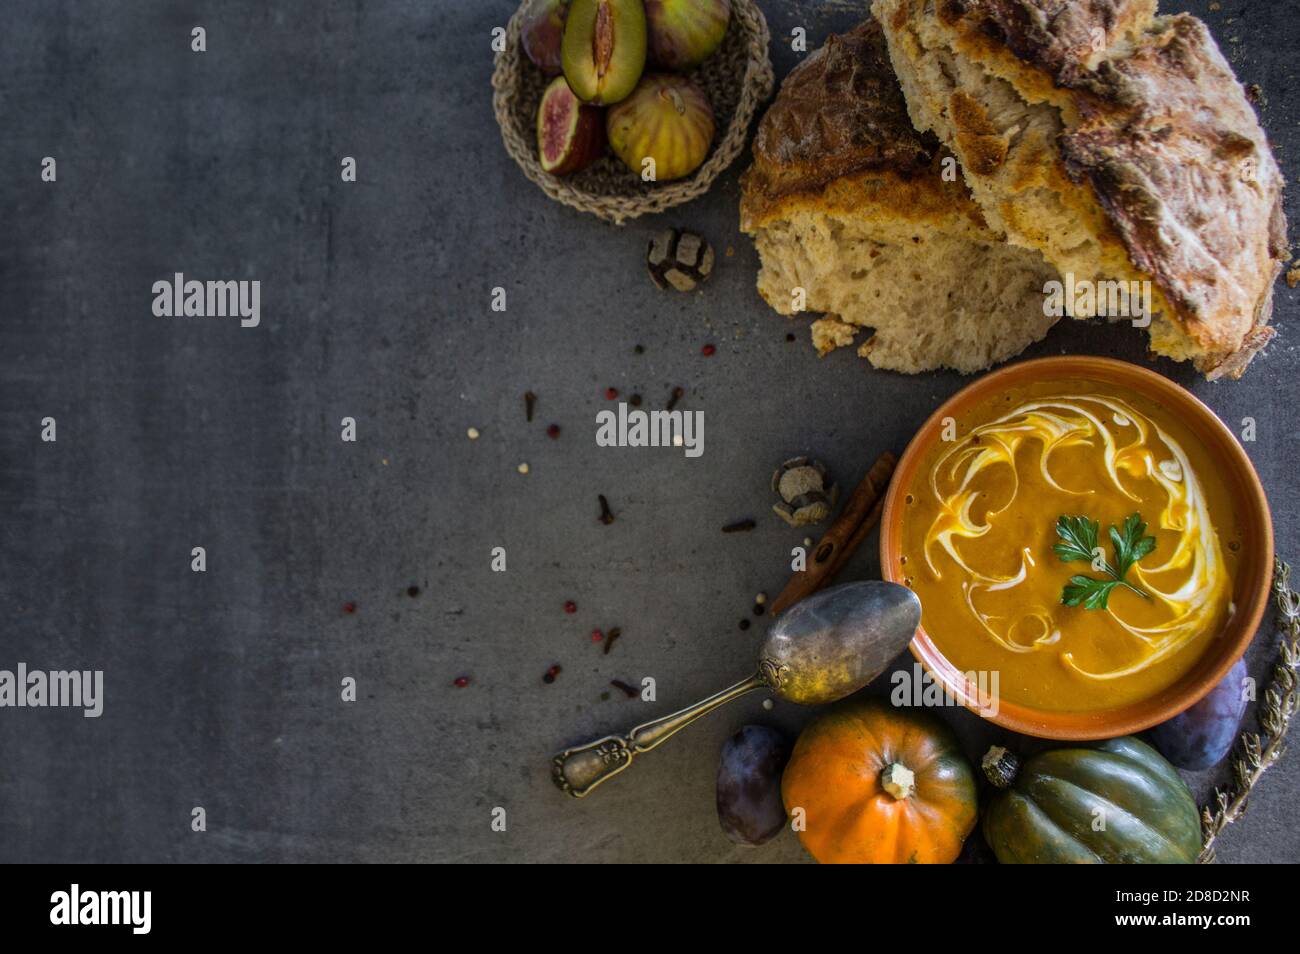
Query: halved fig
[(685, 33), (542, 33), (570, 134), (668, 120), (604, 49)]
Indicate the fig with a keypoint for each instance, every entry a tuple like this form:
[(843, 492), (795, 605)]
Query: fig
[(685, 33), (1204, 735), (667, 119), (570, 134), (542, 33), (604, 49), (750, 809)]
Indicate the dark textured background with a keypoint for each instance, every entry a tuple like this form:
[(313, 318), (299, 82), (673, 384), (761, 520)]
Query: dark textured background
[(223, 688)]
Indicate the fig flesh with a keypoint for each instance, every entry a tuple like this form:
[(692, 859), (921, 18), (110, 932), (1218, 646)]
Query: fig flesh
[(570, 134), (664, 130), (543, 32), (604, 49), (685, 33)]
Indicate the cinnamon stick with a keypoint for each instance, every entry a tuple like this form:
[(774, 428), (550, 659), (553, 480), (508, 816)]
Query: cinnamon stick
[(833, 550)]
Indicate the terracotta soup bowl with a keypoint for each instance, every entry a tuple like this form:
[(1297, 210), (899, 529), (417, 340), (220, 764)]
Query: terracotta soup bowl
[(1253, 550)]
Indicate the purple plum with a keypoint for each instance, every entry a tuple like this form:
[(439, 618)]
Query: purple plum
[(749, 785), (1204, 735)]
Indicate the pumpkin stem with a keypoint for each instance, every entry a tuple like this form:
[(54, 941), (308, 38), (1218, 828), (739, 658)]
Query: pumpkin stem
[(1000, 766), (898, 780)]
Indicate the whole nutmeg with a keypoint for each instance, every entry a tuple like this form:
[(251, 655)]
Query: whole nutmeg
[(807, 493), (679, 259)]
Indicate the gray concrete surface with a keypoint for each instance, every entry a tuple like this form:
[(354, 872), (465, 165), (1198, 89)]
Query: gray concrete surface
[(223, 688)]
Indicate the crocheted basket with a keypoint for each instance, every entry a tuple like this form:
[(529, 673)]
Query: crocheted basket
[(737, 79)]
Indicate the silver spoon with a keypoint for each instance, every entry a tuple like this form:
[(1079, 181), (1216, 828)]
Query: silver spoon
[(824, 648)]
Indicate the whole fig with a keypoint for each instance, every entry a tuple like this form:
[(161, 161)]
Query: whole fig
[(542, 33), (750, 809), (1204, 735), (664, 130), (685, 33)]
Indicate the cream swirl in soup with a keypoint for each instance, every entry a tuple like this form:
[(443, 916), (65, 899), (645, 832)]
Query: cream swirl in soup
[(980, 529)]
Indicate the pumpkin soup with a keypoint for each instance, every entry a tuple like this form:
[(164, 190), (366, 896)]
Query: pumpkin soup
[(1074, 538)]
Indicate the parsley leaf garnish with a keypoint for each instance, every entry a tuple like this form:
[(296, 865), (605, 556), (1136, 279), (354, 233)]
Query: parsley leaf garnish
[(1079, 542), (1130, 543), (1080, 538)]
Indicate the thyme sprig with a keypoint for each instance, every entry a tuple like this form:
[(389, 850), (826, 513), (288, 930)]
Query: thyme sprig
[(1258, 751)]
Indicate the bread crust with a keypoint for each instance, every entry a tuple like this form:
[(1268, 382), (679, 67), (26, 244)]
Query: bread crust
[(1160, 154), (1062, 38), (861, 219), (839, 134), (1176, 157)]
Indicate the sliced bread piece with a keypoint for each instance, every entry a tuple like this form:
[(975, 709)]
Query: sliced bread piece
[(1116, 143), (858, 216)]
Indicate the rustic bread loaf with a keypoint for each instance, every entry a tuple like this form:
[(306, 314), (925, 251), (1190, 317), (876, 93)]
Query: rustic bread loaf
[(1116, 143), (853, 208)]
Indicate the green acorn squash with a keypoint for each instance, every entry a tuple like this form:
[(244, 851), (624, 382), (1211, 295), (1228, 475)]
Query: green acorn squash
[(1114, 802)]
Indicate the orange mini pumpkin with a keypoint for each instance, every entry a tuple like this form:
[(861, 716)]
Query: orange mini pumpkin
[(880, 785)]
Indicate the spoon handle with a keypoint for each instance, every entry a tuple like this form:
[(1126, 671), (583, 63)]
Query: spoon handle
[(580, 769)]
